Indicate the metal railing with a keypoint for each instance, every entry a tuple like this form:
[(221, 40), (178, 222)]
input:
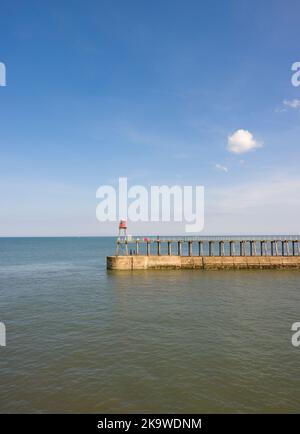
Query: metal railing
[(261, 245)]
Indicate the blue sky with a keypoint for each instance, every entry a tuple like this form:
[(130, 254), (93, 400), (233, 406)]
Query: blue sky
[(152, 91)]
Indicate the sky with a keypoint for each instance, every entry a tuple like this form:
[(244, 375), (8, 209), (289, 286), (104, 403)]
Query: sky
[(163, 93)]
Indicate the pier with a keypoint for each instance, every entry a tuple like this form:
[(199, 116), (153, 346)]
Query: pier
[(133, 253)]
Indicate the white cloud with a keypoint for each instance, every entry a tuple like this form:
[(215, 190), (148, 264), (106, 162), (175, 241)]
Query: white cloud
[(242, 141), (294, 103), (221, 168), (280, 110)]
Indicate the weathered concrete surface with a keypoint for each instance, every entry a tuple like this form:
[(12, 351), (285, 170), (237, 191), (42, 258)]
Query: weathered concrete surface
[(141, 262)]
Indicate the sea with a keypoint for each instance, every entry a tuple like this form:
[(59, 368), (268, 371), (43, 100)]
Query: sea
[(81, 339)]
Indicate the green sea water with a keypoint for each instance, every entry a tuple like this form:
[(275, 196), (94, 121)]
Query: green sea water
[(82, 339)]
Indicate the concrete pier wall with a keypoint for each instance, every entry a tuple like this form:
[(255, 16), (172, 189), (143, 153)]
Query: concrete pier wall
[(141, 262)]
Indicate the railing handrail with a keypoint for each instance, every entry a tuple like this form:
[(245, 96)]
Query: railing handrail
[(213, 238)]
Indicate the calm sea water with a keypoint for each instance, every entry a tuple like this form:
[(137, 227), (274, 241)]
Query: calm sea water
[(81, 339)]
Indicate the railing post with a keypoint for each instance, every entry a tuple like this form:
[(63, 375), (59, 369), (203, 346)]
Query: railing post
[(276, 248), (241, 248), (158, 247), (137, 247), (221, 248), (254, 248), (169, 248), (179, 248), (294, 248), (210, 250), (231, 248), (282, 248), (272, 248), (190, 248), (200, 248), (148, 248), (266, 247), (287, 248)]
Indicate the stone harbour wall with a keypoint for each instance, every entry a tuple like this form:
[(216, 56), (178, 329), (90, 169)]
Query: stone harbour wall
[(164, 262)]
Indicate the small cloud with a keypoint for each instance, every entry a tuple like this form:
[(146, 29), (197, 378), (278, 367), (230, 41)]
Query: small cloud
[(242, 141), (280, 110), (294, 103), (221, 168)]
